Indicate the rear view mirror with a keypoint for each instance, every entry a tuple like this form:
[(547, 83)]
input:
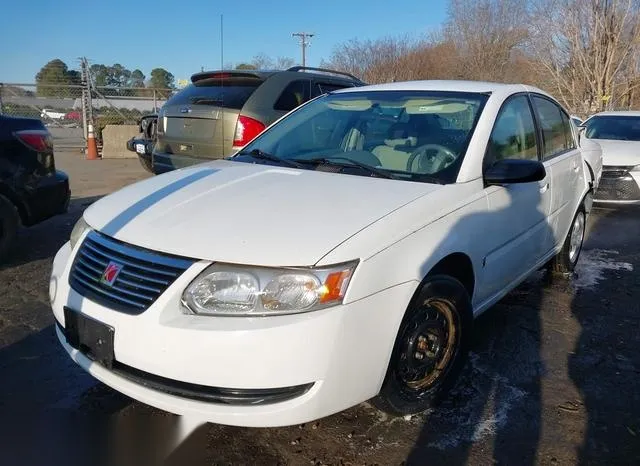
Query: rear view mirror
[(514, 171)]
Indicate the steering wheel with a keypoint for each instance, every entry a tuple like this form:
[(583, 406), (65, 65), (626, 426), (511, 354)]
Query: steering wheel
[(431, 158)]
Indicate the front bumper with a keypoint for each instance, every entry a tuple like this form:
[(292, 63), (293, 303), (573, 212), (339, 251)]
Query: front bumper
[(335, 358), (46, 197), (619, 185)]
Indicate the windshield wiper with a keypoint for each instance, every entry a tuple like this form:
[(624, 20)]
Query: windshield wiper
[(332, 161), (260, 154)]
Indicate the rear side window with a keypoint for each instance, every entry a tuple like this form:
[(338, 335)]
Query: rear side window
[(295, 94), (227, 93), (556, 130)]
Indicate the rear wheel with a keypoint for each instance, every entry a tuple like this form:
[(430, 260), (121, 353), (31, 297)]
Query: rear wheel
[(146, 163), (565, 261), (9, 222), (430, 349)]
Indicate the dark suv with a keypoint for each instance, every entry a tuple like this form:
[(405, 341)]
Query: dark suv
[(31, 189), (221, 111)]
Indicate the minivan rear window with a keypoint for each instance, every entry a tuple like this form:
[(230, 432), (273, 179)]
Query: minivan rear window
[(227, 93)]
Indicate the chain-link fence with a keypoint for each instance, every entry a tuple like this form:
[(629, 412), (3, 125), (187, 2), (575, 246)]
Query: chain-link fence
[(68, 109)]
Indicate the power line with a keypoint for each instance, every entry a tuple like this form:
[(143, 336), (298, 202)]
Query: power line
[(304, 43)]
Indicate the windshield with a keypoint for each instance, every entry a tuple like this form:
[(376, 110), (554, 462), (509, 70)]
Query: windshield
[(622, 128), (410, 135)]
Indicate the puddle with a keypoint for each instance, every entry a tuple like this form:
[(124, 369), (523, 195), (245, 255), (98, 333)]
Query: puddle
[(593, 264)]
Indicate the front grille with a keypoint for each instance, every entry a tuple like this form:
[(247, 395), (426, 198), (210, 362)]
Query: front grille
[(139, 276), (617, 184)]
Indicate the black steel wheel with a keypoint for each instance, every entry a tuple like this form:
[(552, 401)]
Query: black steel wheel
[(430, 348)]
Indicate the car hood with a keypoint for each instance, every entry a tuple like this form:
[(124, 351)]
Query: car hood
[(249, 213), (620, 152)]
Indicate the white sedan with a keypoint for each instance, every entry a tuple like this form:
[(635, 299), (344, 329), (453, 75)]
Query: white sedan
[(340, 256), (618, 134)]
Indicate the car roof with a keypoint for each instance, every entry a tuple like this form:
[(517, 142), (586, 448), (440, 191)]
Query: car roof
[(264, 74), (448, 85), (632, 113)]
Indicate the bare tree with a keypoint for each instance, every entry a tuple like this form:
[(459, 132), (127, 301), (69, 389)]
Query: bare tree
[(487, 34), (590, 49), (283, 63), (262, 62), (374, 61)]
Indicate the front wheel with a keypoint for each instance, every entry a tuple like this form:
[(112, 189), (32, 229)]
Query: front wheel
[(430, 349), (565, 261)]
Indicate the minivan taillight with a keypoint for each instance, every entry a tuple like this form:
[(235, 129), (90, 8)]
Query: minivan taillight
[(246, 129), (38, 140)]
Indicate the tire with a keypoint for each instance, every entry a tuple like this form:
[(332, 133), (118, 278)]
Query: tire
[(439, 314), (146, 164), (9, 223), (565, 261)]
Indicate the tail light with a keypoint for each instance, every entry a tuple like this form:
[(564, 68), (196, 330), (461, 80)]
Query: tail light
[(246, 129), (38, 140)]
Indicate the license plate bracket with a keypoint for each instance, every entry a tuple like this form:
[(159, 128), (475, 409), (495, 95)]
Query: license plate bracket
[(92, 338)]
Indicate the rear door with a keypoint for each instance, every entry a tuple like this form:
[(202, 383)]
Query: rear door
[(200, 120), (563, 162)]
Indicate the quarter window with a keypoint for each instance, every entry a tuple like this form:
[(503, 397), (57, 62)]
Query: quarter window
[(555, 126), (514, 133), (295, 94)]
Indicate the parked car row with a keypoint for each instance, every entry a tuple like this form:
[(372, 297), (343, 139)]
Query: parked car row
[(325, 257)]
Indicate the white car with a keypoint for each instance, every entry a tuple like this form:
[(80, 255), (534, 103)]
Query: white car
[(46, 113), (618, 134), (340, 256)]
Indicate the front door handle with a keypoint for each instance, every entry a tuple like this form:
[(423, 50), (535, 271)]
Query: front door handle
[(543, 189)]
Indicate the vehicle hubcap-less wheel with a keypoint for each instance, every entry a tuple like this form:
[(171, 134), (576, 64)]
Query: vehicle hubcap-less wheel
[(577, 234), (429, 345)]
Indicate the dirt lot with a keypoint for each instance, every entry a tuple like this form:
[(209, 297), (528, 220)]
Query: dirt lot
[(554, 376)]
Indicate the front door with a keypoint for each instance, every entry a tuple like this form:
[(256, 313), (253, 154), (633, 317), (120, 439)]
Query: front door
[(517, 226)]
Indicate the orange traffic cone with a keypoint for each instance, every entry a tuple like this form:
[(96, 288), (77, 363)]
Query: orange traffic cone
[(92, 146)]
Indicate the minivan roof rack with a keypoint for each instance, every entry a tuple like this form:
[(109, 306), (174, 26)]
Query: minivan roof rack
[(324, 70)]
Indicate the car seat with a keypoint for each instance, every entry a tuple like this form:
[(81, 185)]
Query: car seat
[(400, 143)]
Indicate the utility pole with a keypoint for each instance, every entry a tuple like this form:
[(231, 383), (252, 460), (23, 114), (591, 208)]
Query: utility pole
[(304, 43), (87, 105)]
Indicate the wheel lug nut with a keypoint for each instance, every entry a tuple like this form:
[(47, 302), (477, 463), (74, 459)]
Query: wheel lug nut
[(418, 356)]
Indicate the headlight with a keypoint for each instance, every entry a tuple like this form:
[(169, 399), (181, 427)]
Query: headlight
[(232, 290), (78, 230)]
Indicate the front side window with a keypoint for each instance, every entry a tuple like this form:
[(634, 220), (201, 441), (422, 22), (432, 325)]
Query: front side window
[(617, 127), (404, 133), (554, 128), (514, 133)]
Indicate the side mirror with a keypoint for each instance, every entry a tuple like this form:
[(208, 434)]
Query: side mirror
[(581, 131), (510, 171)]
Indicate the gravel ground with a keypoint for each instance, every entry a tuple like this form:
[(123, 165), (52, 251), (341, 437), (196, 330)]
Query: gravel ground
[(553, 376)]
